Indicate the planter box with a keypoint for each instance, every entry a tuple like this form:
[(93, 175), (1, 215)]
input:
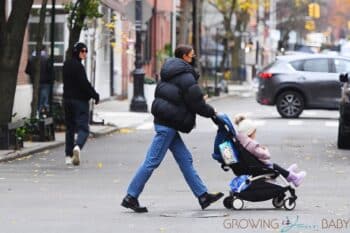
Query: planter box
[(8, 139), (46, 130)]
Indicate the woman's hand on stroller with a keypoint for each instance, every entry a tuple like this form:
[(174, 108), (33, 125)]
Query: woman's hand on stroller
[(216, 119)]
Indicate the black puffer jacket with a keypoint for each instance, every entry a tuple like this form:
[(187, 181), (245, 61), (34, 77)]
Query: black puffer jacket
[(178, 97)]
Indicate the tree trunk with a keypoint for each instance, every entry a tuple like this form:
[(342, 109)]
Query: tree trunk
[(196, 41), (235, 62), (184, 22), (37, 60), (226, 39), (11, 41), (74, 35), (77, 25)]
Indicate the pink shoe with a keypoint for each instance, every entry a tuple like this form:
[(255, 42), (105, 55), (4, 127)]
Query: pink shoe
[(293, 167), (296, 178)]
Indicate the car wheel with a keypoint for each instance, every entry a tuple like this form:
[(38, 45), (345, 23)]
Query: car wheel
[(290, 104)]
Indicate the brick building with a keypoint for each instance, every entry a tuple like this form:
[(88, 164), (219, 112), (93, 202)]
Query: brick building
[(110, 64)]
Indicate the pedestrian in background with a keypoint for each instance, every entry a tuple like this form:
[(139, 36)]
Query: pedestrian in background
[(77, 92), (178, 98), (45, 82)]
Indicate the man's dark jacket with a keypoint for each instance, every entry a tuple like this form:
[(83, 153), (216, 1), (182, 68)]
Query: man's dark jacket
[(45, 69), (75, 82), (178, 97)]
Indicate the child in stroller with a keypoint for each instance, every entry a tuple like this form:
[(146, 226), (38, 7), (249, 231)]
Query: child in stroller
[(256, 178)]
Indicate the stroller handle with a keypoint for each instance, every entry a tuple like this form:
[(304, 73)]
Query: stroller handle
[(223, 122), (217, 120)]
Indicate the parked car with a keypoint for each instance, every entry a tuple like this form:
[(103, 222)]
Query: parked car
[(297, 82), (344, 114)]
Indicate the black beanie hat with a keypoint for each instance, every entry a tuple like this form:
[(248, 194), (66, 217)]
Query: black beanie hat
[(77, 47)]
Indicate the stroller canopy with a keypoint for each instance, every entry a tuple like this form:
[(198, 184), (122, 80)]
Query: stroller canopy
[(226, 132)]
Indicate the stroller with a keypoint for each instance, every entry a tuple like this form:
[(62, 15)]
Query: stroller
[(255, 181)]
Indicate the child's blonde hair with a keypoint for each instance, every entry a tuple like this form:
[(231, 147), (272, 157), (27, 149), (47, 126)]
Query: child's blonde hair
[(245, 125), (239, 118)]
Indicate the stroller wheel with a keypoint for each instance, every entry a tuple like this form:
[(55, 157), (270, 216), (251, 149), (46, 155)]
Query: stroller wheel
[(228, 202), (278, 202), (237, 204), (289, 203)]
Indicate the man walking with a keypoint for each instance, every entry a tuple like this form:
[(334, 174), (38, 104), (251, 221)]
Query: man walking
[(45, 78), (77, 91)]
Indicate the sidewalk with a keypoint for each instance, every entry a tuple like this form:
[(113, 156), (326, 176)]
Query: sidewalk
[(116, 116)]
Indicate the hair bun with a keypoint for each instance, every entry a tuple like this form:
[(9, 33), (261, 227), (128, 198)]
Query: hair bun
[(239, 118)]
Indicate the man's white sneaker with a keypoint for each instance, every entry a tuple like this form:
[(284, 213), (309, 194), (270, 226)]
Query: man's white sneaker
[(76, 156), (68, 160)]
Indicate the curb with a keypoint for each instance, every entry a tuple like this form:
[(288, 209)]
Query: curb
[(26, 152)]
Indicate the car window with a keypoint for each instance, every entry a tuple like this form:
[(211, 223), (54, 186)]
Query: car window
[(341, 65), (274, 63), (316, 65), (298, 65)]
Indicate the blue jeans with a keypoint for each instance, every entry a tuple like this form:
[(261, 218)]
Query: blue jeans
[(166, 138), (77, 121), (44, 93)]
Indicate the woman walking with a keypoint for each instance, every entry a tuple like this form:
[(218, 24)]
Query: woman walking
[(178, 98)]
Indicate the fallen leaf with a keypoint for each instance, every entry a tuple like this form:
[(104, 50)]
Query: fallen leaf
[(340, 172), (125, 130)]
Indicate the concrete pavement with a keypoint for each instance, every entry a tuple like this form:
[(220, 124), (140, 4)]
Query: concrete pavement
[(42, 194), (116, 116)]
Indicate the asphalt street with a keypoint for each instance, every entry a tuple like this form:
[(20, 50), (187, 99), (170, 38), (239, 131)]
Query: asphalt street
[(40, 194)]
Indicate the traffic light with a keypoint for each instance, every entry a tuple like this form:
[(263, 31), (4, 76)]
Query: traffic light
[(310, 25), (314, 10), (311, 10)]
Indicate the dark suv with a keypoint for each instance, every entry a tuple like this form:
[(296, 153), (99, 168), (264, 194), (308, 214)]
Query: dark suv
[(297, 82), (344, 114)]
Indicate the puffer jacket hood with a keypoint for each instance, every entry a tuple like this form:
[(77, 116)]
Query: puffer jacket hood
[(176, 66)]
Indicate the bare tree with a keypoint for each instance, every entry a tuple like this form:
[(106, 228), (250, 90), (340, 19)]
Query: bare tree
[(230, 9), (78, 12), (292, 17)]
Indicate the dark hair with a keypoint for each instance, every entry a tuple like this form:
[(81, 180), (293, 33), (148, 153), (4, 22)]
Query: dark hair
[(77, 47), (182, 49)]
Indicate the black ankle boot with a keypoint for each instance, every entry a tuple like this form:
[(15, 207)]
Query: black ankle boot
[(133, 203), (207, 198)]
